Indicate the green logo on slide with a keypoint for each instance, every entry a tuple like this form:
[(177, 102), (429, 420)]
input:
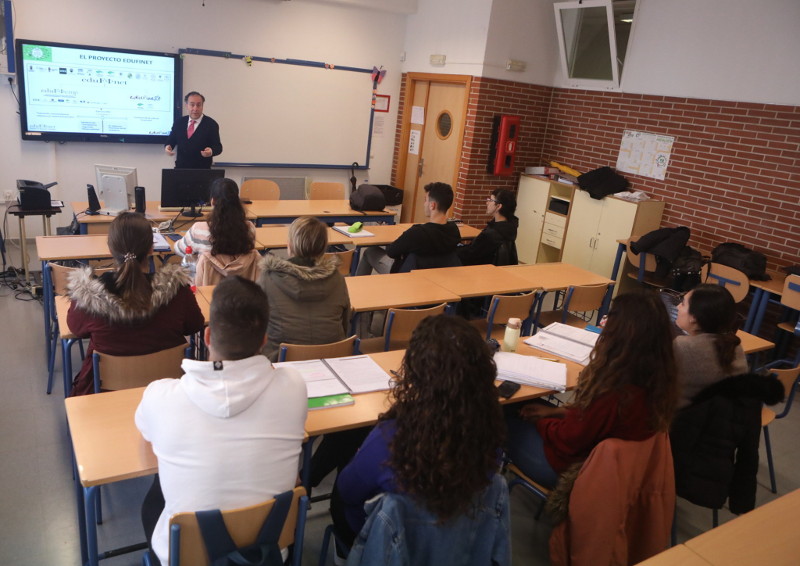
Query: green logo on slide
[(37, 53)]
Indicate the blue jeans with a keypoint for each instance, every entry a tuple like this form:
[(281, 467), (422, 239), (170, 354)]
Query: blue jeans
[(526, 450)]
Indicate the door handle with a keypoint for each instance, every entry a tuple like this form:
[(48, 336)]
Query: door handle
[(420, 166)]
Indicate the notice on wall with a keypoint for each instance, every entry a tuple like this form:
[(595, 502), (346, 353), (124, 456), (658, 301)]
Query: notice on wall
[(413, 142), (644, 154)]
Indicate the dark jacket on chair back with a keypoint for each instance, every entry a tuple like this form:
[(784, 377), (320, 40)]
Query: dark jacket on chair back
[(715, 441)]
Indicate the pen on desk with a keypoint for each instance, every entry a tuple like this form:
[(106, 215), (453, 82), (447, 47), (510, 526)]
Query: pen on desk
[(547, 359)]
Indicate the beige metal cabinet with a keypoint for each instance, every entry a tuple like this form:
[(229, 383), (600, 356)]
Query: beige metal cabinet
[(594, 227), (531, 205)]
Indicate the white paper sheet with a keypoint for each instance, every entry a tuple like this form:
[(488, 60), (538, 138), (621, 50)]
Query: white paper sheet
[(530, 370), (360, 373)]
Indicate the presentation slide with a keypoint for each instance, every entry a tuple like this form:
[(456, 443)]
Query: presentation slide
[(85, 91)]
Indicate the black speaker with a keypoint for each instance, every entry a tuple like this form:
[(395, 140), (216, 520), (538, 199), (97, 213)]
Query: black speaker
[(94, 204), (138, 194)]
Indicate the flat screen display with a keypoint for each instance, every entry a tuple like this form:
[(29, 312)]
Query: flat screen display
[(87, 93), (183, 188)]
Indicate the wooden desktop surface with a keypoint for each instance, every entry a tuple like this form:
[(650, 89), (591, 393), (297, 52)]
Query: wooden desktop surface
[(774, 285), (275, 237), (108, 446), (476, 280), (678, 555), (84, 246), (752, 344), (295, 208), (382, 291), (765, 535), (556, 276)]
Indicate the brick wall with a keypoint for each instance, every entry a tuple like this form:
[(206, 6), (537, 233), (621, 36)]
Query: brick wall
[(734, 173)]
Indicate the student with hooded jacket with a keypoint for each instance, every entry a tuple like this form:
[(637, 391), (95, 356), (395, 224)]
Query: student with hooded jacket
[(308, 298)]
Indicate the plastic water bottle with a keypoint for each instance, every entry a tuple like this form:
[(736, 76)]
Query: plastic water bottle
[(511, 336), (189, 262)]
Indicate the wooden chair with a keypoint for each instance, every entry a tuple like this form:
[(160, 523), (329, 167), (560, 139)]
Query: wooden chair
[(645, 266), (300, 352), (501, 308), (790, 379), (582, 298), (400, 323), (126, 372), (187, 548), (345, 260), (732, 279), (320, 190), (260, 189)]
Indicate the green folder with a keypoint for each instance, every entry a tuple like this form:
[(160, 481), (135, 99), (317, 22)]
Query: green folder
[(330, 401)]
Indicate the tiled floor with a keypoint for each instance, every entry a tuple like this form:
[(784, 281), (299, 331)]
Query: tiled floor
[(37, 509)]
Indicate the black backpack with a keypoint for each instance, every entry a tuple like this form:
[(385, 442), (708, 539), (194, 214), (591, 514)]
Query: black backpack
[(750, 262), (686, 268), (367, 197)]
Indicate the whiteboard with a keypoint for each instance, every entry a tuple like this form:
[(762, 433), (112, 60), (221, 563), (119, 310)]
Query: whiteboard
[(284, 115)]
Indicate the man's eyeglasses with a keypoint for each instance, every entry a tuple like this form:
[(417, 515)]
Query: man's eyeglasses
[(490, 199)]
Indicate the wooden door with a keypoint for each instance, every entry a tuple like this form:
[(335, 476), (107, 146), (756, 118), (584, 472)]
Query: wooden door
[(433, 132)]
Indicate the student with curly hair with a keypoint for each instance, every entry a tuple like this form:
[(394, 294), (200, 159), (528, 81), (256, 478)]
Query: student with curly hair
[(710, 351), (227, 231), (628, 390), (440, 442)]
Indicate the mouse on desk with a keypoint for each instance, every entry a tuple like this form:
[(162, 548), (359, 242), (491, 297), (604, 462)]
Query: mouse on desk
[(246, 201)]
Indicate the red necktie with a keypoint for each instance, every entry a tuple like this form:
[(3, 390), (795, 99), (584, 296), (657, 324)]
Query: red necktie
[(190, 131)]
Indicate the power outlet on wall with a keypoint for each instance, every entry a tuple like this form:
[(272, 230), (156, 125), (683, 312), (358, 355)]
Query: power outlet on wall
[(8, 196)]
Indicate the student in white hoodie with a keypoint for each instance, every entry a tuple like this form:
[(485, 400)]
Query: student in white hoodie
[(228, 433)]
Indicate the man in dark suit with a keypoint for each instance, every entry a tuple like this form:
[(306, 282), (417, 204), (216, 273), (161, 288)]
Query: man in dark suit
[(196, 136)]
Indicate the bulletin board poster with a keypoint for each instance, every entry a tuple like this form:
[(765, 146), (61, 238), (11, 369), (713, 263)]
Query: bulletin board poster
[(645, 154)]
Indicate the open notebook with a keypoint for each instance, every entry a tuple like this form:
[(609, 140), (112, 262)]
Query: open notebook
[(565, 342), (336, 377), (530, 370)]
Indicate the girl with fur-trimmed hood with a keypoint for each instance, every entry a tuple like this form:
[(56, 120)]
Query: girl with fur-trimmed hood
[(308, 300), (130, 312)]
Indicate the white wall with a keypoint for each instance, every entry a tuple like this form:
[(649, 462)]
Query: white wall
[(457, 29), (740, 50), (522, 30), (338, 34)]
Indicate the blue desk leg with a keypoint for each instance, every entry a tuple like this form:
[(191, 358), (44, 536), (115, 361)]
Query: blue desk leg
[(606, 303), (81, 512), (66, 354), (536, 308), (751, 313), (356, 258), (618, 261), (305, 478), (354, 323), (47, 292), (90, 507), (762, 309)]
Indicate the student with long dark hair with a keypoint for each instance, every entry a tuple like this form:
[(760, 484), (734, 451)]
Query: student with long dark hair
[(130, 311), (227, 231), (628, 391), (710, 351), (440, 441)]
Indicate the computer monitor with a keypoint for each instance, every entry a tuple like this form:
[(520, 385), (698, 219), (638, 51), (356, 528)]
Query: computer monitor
[(187, 188), (115, 187)]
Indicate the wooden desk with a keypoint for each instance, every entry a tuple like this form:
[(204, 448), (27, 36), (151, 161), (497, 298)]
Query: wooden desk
[(475, 280), (108, 447), (556, 276), (54, 248), (285, 211), (765, 535), (98, 224), (678, 555), (753, 344), (400, 290), (763, 291)]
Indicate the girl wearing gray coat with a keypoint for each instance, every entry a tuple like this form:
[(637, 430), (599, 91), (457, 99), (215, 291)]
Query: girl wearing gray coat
[(308, 300)]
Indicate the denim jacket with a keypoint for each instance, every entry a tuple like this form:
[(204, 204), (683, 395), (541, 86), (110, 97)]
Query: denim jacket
[(398, 532)]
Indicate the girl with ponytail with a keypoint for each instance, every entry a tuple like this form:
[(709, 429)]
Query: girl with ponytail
[(130, 312), (710, 351)]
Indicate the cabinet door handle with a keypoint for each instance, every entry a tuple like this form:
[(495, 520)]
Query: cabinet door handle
[(591, 243)]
